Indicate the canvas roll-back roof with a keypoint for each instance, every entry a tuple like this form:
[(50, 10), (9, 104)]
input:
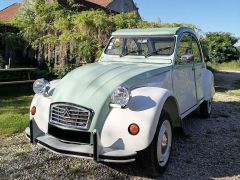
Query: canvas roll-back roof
[(150, 31)]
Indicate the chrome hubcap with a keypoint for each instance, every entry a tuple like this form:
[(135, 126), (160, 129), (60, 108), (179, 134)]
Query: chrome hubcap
[(164, 143)]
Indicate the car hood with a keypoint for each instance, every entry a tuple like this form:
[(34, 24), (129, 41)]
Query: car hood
[(91, 86)]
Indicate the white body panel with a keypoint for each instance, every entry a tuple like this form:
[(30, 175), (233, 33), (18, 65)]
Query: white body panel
[(144, 109)]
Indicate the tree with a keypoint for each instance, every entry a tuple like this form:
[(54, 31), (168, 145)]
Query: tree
[(11, 44), (220, 46)]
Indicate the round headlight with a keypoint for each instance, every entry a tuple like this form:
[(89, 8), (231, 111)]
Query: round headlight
[(120, 96), (40, 86)]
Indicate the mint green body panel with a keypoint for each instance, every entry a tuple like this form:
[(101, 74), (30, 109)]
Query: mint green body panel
[(146, 32), (91, 86)]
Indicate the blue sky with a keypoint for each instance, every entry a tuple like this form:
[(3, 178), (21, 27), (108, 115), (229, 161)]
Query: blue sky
[(5, 3), (208, 15)]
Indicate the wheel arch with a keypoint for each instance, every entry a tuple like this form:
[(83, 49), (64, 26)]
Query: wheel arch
[(171, 106)]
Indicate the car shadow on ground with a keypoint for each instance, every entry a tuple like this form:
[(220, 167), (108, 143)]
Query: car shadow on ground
[(225, 81)]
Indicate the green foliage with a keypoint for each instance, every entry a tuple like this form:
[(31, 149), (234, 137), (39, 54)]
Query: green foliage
[(60, 72), (7, 27), (63, 37), (238, 49), (2, 62), (227, 66), (11, 40), (12, 45), (220, 47), (46, 74)]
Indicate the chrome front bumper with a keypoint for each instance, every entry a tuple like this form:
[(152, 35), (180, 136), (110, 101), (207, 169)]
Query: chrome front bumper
[(96, 151)]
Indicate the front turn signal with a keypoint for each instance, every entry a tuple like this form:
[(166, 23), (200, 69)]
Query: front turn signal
[(33, 110), (133, 129)]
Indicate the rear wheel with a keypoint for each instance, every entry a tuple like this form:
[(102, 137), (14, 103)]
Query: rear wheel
[(206, 108), (155, 158)]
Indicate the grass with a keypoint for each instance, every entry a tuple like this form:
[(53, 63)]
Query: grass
[(14, 108), (229, 66)]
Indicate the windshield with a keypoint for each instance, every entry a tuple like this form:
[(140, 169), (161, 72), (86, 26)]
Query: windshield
[(141, 46)]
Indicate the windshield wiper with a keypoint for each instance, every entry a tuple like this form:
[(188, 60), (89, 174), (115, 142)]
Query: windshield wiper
[(157, 51), (129, 52)]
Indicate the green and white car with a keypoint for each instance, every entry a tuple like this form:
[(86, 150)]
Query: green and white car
[(125, 106)]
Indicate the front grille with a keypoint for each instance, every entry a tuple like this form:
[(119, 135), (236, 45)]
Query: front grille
[(70, 115)]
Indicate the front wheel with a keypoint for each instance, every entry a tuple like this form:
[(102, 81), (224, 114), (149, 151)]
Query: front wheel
[(155, 158), (206, 108)]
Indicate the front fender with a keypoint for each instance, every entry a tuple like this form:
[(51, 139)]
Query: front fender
[(144, 109), (42, 105)]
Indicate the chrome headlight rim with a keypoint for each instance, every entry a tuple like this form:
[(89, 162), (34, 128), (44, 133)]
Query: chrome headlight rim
[(41, 86), (120, 102)]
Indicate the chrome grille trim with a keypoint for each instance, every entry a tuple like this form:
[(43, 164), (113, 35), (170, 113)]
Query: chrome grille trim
[(71, 116)]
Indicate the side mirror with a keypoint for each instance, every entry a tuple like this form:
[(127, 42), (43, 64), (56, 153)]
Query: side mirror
[(205, 55), (187, 58)]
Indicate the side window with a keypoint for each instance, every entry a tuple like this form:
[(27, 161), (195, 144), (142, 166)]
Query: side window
[(165, 45), (131, 47), (196, 51), (184, 48)]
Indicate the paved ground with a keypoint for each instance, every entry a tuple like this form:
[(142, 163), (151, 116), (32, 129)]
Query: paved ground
[(210, 150)]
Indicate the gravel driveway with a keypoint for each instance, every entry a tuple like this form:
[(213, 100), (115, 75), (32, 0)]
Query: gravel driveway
[(209, 150)]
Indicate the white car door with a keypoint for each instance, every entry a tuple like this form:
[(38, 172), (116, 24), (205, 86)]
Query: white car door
[(183, 76), (198, 67)]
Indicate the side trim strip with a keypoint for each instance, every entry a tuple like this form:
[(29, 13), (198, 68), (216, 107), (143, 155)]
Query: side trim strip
[(189, 109)]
